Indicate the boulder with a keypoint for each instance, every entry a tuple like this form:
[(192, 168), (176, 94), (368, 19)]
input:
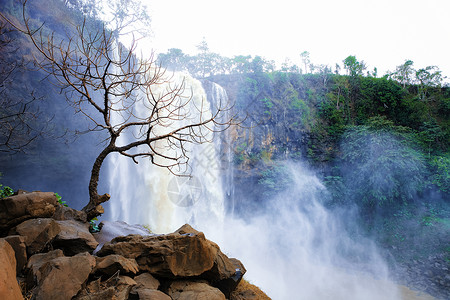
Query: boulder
[(169, 255), (63, 277), (16, 209), (149, 294), (188, 290), (115, 288), (9, 288), (63, 213), (74, 237), (36, 262), (110, 230), (145, 283), (38, 233), (184, 253), (227, 281), (17, 242), (248, 291), (111, 264)]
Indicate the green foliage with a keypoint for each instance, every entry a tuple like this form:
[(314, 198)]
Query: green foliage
[(422, 226), (441, 172), (93, 227), (353, 66), (275, 179), (147, 227), (60, 201), (382, 165), (267, 105), (5, 191)]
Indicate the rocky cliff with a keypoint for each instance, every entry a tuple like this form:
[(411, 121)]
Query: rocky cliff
[(48, 252)]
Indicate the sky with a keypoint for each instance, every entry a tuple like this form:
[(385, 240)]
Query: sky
[(383, 33)]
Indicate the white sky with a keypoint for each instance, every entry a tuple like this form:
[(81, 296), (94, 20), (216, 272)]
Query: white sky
[(383, 33)]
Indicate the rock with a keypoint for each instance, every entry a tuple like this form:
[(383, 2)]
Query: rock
[(166, 255), (110, 264), (38, 233), (63, 213), (9, 288), (149, 294), (36, 262), (188, 290), (184, 253), (146, 280), (228, 281), (187, 229), (247, 291), (123, 287), (110, 230), (63, 277), (115, 288), (16, 209), (17, 242), (74, 237), (96, 290), (144, 283)]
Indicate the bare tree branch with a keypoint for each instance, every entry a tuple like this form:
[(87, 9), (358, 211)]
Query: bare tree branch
[(120, 92)]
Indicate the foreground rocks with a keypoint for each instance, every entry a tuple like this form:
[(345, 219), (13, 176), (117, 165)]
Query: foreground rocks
[(51, 251), (9, 288)]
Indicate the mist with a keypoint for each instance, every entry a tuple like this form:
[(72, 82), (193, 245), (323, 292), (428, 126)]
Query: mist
[(294, 248), (291, 244)]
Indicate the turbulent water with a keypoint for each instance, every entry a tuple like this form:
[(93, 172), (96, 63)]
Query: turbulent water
[(293, 248)]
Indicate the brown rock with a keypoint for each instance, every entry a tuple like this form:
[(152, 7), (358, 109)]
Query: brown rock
[(17, 242), (110, 230), (149, 294), (115, 288), (16, 209), (38, 233), (62, 277), (181, 254), (66, 213), (189, 290), (37, 261), (186, 229), (74, 237), (9, 288), (110, 264), (226, 274), (147, 281), (248, 291), (165, 255)]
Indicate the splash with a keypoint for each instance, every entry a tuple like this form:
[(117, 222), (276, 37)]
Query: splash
[(294, 248)]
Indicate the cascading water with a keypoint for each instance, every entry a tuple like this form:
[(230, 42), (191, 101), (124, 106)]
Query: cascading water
[(293, 248), (152, 195)]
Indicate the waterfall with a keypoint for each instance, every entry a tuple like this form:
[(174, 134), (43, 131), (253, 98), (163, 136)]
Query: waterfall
[(153, 196), (292, 247)]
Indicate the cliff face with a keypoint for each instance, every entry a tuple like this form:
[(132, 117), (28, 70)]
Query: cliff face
[(52, 252)]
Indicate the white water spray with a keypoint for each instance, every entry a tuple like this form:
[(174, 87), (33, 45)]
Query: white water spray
[(293, 248)]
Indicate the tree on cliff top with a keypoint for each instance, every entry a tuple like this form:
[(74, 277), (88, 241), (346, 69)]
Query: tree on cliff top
[(108, 84)]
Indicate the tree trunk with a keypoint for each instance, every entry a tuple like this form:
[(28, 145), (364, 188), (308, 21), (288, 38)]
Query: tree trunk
[(93, 209)]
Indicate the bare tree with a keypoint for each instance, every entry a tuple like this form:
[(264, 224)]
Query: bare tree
[(110, 85), (18, 114)]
